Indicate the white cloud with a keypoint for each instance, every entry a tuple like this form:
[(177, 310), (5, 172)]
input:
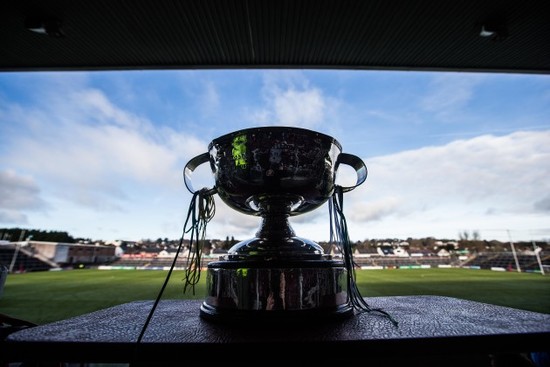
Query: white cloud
[(291, 100), (228, 222), (449, 92), (86, 150), (483, 180), (299, 108), (543, 204), (19, 191), (18, 194), (209, 98), (13, 216), (374, 211)]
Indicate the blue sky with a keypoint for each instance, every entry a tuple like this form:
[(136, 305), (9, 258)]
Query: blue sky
[(100, 154)]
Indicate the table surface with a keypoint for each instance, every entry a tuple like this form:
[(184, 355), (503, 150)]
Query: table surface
[(427, 325)]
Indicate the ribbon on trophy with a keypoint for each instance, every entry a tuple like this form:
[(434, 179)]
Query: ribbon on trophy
[(204, 203), (340, 236)]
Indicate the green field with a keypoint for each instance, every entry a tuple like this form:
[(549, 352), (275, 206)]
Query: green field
[(43, 297)]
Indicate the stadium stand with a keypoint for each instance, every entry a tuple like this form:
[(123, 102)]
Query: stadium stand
[(506, 260), (18, 259)]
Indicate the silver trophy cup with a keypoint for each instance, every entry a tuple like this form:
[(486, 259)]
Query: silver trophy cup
[(275, 173)]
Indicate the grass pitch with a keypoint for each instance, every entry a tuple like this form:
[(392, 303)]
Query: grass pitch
[(43, 297)]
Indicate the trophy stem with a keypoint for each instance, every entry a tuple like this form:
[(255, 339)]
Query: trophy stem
[(275, 225), (275, 239)]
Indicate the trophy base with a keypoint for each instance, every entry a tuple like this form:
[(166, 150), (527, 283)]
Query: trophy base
[(243, 317), (297, 291)]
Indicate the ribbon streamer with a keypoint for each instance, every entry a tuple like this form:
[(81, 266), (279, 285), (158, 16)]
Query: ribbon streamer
[(204, 202), (339, 234)]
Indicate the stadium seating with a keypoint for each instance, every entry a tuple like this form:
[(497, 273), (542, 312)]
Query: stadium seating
[(23, 261), (506, 260)]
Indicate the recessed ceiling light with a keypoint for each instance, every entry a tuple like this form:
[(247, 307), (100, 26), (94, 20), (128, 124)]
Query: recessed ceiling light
[(49, 26)]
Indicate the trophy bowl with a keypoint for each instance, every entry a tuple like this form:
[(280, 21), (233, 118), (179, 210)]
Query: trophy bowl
[(275, 173)]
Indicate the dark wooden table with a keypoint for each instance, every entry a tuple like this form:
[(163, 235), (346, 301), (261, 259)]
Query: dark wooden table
[(432, 331)]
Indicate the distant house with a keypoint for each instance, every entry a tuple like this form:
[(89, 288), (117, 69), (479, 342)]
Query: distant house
[(397, 249), (171, 253), (443, 253)]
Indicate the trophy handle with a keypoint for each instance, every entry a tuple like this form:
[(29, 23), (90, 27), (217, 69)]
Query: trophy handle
[(357, 164), (190, 167)]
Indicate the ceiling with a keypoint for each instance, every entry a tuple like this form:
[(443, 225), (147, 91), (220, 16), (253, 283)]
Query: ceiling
[(307, 34)]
